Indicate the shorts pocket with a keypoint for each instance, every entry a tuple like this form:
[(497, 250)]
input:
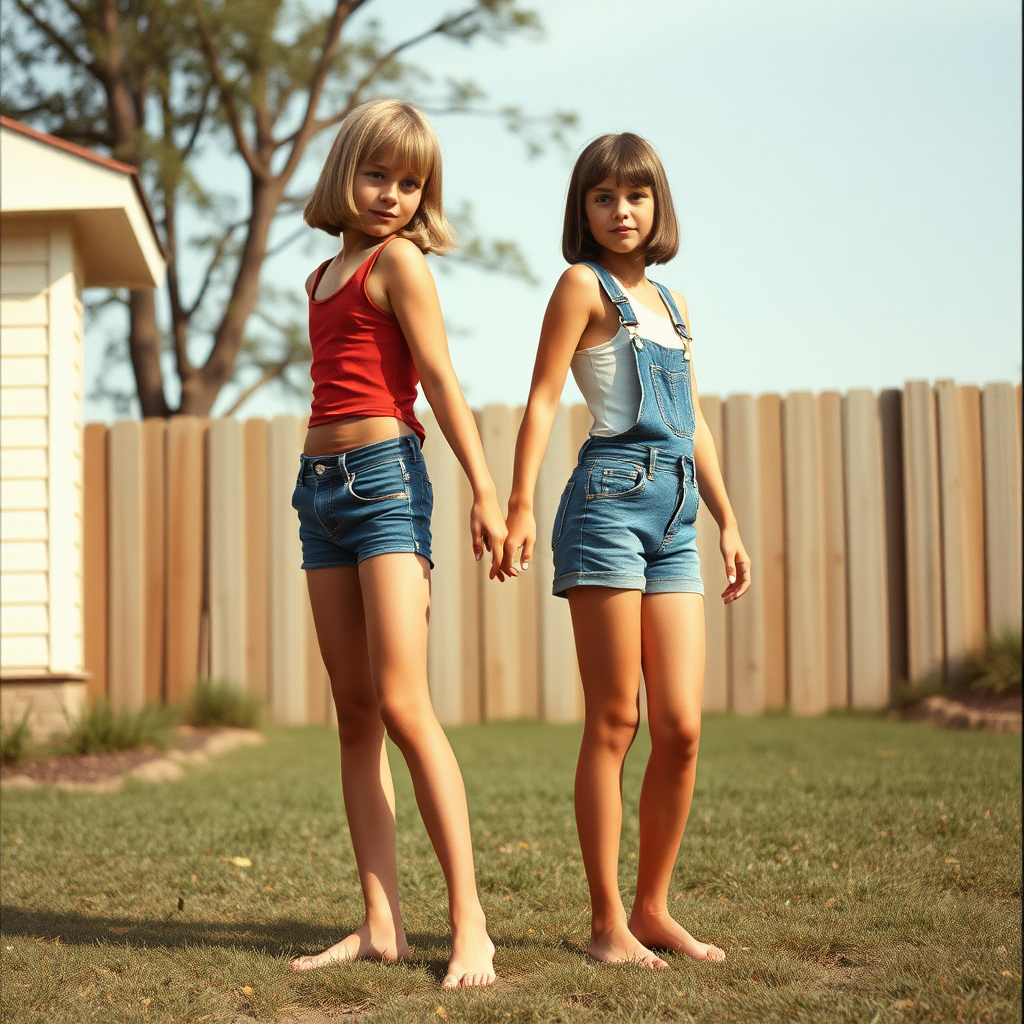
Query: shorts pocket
[(563, 505), (383, 482), (611, 478), (675, 400)]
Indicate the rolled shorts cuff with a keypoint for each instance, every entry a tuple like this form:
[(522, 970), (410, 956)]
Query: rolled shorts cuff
[(618, 580), (678, 585), (397, 550)]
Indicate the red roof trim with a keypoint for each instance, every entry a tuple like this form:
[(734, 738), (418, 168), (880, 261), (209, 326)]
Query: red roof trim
[(87, 154)]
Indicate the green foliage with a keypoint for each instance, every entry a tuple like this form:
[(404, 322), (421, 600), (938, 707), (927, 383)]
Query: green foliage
[(998, 666), (101, 729), (222, 703), (14, 740)]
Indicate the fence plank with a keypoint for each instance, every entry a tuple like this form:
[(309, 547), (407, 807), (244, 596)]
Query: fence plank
[(227, 585), (716, 678), (501, 635), (805, 557), (255, 439), (961, 519), (186, 511), (449, 533), (972, 514), (126, 665), (288, 598), (560, 692), (94, 560), (925, 642), (1002, 505), (830, 422), (772, 567), (154, 543), (746, 616), (890, 410), (868, 597)]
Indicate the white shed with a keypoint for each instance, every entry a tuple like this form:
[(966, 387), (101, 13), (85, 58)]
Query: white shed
[(69, 219)]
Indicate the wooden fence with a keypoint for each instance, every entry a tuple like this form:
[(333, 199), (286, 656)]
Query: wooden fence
[(884, 529)]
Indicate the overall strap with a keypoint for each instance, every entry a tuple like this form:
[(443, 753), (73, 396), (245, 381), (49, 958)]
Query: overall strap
[(626, 315), (670, 303)]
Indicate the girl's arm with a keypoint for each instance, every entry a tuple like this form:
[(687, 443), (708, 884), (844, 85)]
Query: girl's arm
[(572, 304), (413, 298), (713, 493)]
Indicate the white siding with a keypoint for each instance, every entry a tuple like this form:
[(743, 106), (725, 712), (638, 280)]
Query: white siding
[(41, 332)]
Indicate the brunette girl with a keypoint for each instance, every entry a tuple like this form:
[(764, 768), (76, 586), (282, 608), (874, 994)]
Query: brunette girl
[(364, 502), (624, 539)]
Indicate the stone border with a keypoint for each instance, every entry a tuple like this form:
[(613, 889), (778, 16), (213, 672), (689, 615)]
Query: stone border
[(163, 768), (951, 714)]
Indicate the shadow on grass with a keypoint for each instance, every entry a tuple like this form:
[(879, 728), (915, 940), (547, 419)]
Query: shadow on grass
[(282, 938)]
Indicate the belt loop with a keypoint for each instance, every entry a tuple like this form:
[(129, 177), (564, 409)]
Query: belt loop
[(652, 462), (302, 470), (343, 464)]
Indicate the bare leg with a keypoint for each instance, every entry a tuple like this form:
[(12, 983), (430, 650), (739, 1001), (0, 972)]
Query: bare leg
[(672, 639), (606, 624), (365, 774), (396, 599)]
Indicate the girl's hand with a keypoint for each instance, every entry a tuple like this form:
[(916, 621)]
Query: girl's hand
[(737, 564), (487, 525), (522, 532)]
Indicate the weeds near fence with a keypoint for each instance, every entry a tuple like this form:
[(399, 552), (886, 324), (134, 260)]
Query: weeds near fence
[(101, 729), (215, 703), (996, 667), (14, 741)]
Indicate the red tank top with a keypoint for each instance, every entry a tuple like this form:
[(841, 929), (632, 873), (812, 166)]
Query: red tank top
[(361, 361)]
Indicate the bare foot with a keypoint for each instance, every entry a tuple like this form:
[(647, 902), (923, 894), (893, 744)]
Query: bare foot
[(618, 945), (662, 931), (365, 943), (472, 961)]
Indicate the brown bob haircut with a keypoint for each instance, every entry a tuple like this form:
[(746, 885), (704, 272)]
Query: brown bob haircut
[(628, 160), (398, 132)]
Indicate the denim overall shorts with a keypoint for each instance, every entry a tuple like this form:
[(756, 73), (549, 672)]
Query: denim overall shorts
[(626, 517), (373, 500)]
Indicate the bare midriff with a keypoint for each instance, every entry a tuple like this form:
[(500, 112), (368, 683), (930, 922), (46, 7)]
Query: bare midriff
[(352, 432)]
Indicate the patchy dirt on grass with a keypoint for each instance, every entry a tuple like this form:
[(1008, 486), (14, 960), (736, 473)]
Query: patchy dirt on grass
[(107, 772)]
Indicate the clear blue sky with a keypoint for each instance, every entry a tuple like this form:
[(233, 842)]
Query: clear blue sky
[(847, 177)]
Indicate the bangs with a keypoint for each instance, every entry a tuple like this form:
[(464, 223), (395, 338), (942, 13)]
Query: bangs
[(404, 144), (622, 162)]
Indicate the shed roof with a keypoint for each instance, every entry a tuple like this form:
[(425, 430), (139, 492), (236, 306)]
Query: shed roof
[(102, 198)]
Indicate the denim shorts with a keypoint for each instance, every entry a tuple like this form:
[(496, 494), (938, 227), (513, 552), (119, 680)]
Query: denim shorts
[(626, 519), (369, 501)]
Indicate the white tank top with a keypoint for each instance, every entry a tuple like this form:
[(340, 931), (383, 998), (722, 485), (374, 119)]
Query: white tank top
[(606, 373)]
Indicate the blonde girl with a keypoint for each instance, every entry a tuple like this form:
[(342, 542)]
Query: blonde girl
[(624, 539), (364, 502)]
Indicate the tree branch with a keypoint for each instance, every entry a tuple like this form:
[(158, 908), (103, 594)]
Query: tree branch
[(56, 38), (226, 95), (200, 118), (382, 62), (218, 254), (342, 11), (269, 374)]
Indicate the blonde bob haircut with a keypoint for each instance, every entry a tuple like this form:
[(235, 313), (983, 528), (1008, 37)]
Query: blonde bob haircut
[(626, 159), (401, 134)]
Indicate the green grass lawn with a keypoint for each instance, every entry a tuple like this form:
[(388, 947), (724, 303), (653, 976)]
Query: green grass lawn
[(854, 870)]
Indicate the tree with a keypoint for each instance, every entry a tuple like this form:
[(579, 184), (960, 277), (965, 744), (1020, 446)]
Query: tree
[(163, 83)]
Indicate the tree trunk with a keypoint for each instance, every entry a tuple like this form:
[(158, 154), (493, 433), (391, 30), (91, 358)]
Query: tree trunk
[(200, 390), (144, 347)]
